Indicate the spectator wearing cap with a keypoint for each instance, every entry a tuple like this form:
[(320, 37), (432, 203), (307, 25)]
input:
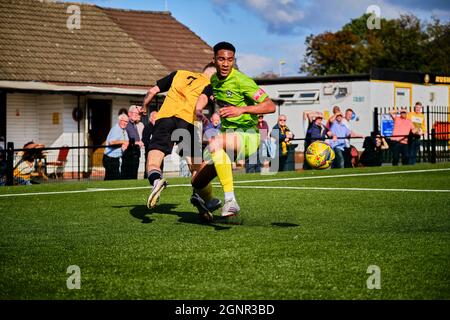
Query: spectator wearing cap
[(316, 131), (131, 156), (339, 130), (399, 140)]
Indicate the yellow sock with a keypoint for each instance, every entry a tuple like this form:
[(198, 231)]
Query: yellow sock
[(206, 193), (222, 163)]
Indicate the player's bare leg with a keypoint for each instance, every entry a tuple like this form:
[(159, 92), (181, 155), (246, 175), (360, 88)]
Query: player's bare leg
[(155, 178), (223, 169)]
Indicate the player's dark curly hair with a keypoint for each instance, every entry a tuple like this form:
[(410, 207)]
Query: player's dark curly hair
[(224, 46)]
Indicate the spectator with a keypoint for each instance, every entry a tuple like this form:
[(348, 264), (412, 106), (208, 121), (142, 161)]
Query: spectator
[(339, 130), (399, 140), (131, 156), (348, 157), (418, 119), (316, 131), (24, 168), (123, 111), (111, 157), (145, 116), (284, 135), (336, 110), (139, 124), (372, 156)]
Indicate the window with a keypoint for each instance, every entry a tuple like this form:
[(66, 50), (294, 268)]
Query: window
[(286, 95), (310, 95), (299, 96)]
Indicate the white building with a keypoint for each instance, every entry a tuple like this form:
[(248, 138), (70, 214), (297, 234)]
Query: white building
[(381, 88)]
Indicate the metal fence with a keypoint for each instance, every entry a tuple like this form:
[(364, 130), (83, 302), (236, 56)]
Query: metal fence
[(85, 163), (53, 164), (435, 142)]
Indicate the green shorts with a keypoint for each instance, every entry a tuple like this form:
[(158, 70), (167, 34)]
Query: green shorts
[(249, 142)]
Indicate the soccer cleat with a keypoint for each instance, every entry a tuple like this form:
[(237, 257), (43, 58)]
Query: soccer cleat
[(153, 198), (205, 209), (230, 208), (213, 204)]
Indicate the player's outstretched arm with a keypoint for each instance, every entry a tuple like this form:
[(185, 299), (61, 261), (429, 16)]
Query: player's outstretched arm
[(202, 102), (149, 96)]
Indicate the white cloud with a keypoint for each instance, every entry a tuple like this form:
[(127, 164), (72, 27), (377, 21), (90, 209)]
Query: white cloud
[(253, 65), (280, 16), (288, 17)]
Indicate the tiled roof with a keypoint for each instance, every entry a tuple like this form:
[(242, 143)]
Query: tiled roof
[(36, 45), (172, 43)]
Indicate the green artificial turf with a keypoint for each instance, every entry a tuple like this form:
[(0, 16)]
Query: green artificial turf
[(297, 241)]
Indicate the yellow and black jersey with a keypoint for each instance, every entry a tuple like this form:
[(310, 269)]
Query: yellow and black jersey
[(184, 88)]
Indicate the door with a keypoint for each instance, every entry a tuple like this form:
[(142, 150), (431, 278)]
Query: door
[(99, 124)]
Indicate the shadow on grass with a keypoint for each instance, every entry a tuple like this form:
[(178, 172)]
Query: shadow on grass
[(141, 211), (284, 224)]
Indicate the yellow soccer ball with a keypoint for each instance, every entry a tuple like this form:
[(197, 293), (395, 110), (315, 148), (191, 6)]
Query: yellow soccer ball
[(319, 155)]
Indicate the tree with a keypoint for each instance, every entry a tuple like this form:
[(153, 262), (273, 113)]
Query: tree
[(401, 43), (438, 47)]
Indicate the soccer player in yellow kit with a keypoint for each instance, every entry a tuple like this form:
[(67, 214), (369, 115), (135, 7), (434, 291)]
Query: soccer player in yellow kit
[(241, 101), (177, 112)]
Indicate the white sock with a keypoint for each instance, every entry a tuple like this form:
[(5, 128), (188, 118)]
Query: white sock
[(155, 183), (229, 196)]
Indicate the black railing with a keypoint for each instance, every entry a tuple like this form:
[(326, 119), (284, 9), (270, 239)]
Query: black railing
[(48, 166), (435, 147), (434, 144)]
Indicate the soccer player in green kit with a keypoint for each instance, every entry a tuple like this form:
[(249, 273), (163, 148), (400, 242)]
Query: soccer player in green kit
[(241, 101)]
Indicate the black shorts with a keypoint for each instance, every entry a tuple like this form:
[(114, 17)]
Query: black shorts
[(168, 131)]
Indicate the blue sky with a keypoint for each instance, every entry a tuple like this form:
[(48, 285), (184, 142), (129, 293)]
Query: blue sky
[(266, 32)]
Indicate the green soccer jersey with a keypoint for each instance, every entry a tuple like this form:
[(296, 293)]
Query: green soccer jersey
[(238, 90)]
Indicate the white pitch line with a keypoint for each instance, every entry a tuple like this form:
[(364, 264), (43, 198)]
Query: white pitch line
[(248, 181), (342, 175), (89, 190), (339, 189)]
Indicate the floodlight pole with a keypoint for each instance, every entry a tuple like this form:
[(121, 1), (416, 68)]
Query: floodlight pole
[(280, 65)]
